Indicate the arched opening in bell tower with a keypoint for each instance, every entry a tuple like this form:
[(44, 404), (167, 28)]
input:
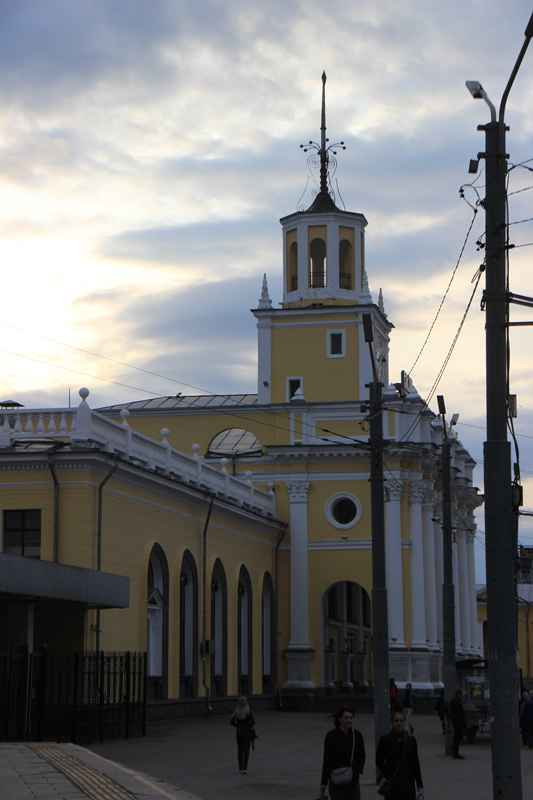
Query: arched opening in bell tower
[(317, 264), (345, 265)]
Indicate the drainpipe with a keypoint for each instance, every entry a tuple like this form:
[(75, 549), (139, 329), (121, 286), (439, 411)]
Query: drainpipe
[(56, 508), (527, 641), (99, 545), (208, 709), (283, 527)]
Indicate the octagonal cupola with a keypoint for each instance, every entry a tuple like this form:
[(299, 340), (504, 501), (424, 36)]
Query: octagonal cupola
[(323, 246)]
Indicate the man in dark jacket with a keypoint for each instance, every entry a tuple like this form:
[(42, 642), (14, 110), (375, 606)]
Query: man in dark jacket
[(457, 716)]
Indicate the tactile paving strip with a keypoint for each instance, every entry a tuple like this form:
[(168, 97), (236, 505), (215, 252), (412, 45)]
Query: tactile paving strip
[(93, 783)]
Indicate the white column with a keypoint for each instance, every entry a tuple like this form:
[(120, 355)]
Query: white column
[(439, 574), (393, 564), (416, 561), (298, 522), (430, 594), (464, 595), (298, 654), (456, 596), (470, 554)]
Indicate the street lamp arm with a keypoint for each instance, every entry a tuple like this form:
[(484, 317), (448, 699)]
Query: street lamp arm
[(528, 35)]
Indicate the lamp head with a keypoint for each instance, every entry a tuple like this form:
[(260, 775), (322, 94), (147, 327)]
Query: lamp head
[(475, 89), (455, 419)]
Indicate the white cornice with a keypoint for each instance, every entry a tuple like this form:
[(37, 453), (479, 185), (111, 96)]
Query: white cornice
[(354, 544)]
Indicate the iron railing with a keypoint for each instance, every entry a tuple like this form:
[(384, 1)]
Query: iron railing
[(71, 697)]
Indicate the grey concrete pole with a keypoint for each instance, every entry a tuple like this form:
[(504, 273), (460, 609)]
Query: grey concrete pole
[(500, 532), (500, 544), (448, 598), (380, 625)]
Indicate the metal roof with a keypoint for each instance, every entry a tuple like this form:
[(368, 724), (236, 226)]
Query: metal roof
[(182, 403)]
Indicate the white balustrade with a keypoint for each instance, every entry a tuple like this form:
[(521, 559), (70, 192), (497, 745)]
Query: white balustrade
[(81, 424)]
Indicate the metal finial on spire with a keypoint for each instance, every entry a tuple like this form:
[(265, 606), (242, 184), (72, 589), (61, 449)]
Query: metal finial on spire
[(325, 158)]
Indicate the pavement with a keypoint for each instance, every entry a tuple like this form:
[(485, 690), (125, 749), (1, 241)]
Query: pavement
[(196, 759)]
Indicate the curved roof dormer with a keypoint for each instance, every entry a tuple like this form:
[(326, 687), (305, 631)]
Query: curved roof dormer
[(323, 246)]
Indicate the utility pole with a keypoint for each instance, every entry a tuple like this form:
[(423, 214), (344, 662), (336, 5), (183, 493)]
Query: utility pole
[(380, 622), (500, 544), (448, 598)]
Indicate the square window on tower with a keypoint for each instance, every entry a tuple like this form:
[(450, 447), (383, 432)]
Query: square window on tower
[(336, 344)]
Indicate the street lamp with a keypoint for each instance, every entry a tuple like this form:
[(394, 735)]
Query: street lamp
[(500, 544)]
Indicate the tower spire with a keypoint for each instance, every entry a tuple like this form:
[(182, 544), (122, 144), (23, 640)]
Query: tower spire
[(323, 140), (324, 200)]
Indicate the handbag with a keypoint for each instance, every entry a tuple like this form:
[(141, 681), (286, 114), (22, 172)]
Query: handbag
[(385, 788), (342, 776), (387, 785)]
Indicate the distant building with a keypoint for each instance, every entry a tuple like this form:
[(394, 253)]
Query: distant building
[(524, 592)]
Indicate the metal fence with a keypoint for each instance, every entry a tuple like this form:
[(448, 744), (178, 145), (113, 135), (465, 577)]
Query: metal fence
[(71, 697)]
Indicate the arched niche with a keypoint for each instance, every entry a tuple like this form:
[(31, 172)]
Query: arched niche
[(157, 624), (219, 630), (188, 626)]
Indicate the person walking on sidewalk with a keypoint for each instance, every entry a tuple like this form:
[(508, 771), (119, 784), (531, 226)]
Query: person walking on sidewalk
[(397, 760), (457, 716), (344, 749), (525, 699), (244, 721), (393, 692), (408, 704), (528, 720)]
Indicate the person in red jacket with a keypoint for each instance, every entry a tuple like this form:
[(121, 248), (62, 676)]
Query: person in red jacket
[(394, 701)]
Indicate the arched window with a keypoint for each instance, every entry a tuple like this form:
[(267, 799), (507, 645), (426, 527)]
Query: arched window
[(157, 624), (345, 264), (317, 252), (244, 638), (234, 442), (219, 630), (188, 627), (269, 635)]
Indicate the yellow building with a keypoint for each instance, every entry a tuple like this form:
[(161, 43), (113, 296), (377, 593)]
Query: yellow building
[(270, 584), (306, 432), (524, 593), (115, 542)]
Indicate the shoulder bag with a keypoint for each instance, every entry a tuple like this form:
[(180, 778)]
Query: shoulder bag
[(343, 775), (386, 786)]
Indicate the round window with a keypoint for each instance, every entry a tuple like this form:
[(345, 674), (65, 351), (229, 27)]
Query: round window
[(343, 511)]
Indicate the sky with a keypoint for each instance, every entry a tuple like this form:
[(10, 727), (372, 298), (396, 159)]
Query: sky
[(148, 149)]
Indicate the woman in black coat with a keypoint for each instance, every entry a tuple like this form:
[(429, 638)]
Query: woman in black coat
[(244, 721), (397, 760), (340, 744)]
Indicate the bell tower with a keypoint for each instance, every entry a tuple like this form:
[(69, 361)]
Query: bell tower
[(323, 246), (312, 349)]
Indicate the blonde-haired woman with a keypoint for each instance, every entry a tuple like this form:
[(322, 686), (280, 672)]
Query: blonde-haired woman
[(244, 721)]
